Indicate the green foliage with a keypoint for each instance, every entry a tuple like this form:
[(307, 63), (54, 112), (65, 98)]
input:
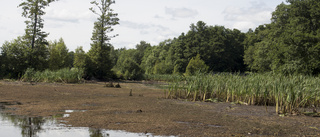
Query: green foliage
[(34, 10), (288, 93), (80, 58), (114, 55), (290, 44), (59, 55), (34, 36), (196, 65), (15, 58), (65, 75), (220, 48), (132, 70), (70, 59), (141, 48), (127, 67), (162, 68), (100, 63)]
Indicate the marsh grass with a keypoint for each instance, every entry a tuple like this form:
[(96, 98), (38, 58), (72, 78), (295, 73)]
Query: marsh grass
[(65, 75), (287, 92)]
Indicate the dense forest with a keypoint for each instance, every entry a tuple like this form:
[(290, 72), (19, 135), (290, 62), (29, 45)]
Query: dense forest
[(290, 44)]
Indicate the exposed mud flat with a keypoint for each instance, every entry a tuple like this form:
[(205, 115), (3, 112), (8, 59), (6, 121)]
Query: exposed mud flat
[(146, 111)]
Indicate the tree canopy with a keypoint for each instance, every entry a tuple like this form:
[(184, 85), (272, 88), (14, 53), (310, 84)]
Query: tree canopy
[(290, 43)]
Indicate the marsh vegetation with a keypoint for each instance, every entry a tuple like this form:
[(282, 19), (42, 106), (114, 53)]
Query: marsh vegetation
[(289, 93)]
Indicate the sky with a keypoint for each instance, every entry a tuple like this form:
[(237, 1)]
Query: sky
[(152, 21)]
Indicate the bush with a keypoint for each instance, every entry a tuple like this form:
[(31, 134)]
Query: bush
[(196, 65), (65, 75)]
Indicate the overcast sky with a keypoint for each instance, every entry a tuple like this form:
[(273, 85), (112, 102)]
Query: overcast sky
[(150, 20)]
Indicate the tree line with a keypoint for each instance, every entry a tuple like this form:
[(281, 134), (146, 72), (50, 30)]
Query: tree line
[(33, 51), (288, 45)]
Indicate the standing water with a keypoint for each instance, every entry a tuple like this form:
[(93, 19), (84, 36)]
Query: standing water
[(23, 126)]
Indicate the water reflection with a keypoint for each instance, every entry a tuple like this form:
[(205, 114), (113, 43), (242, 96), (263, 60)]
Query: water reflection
[(30, 126), (36, 126), (15, 126), (97, 133)]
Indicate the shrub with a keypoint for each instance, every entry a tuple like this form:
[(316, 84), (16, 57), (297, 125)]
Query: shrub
[(65, 75), (196, 65)]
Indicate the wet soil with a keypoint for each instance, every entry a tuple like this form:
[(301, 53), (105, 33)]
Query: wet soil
[(146, 111)]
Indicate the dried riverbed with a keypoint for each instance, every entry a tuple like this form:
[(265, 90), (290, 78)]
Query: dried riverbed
[(95, 106)]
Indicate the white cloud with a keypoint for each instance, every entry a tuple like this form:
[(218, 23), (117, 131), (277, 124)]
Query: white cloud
[(146, 29), (244, 18), (244, 25), (158, 16), (136, 31), (181, 12), (65, 15)]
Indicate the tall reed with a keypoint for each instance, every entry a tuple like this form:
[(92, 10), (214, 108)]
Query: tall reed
[(287, 93)]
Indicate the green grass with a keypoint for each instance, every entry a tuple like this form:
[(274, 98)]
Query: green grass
[(287, 93), (166, 77), (65, 75)]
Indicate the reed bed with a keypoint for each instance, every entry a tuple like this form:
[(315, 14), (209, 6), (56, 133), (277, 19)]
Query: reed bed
[(163, 77), (65, 75), (287, 93)]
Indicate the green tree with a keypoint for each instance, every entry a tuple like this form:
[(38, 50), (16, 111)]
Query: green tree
[(99, 54), (141, 48), (80, 58), (149, 60), (14, 58), (127, 67), (132, 70), (290, 44), (35, 37), (59, 55), (196, 65), (222, 49)]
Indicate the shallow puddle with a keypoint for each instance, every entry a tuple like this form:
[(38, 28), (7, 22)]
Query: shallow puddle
[(23, 126)]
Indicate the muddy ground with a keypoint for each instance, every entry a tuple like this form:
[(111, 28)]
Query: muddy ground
[(148, 112)]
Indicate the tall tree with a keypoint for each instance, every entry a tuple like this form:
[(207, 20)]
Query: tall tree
[(34, 10), (99, 53)]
